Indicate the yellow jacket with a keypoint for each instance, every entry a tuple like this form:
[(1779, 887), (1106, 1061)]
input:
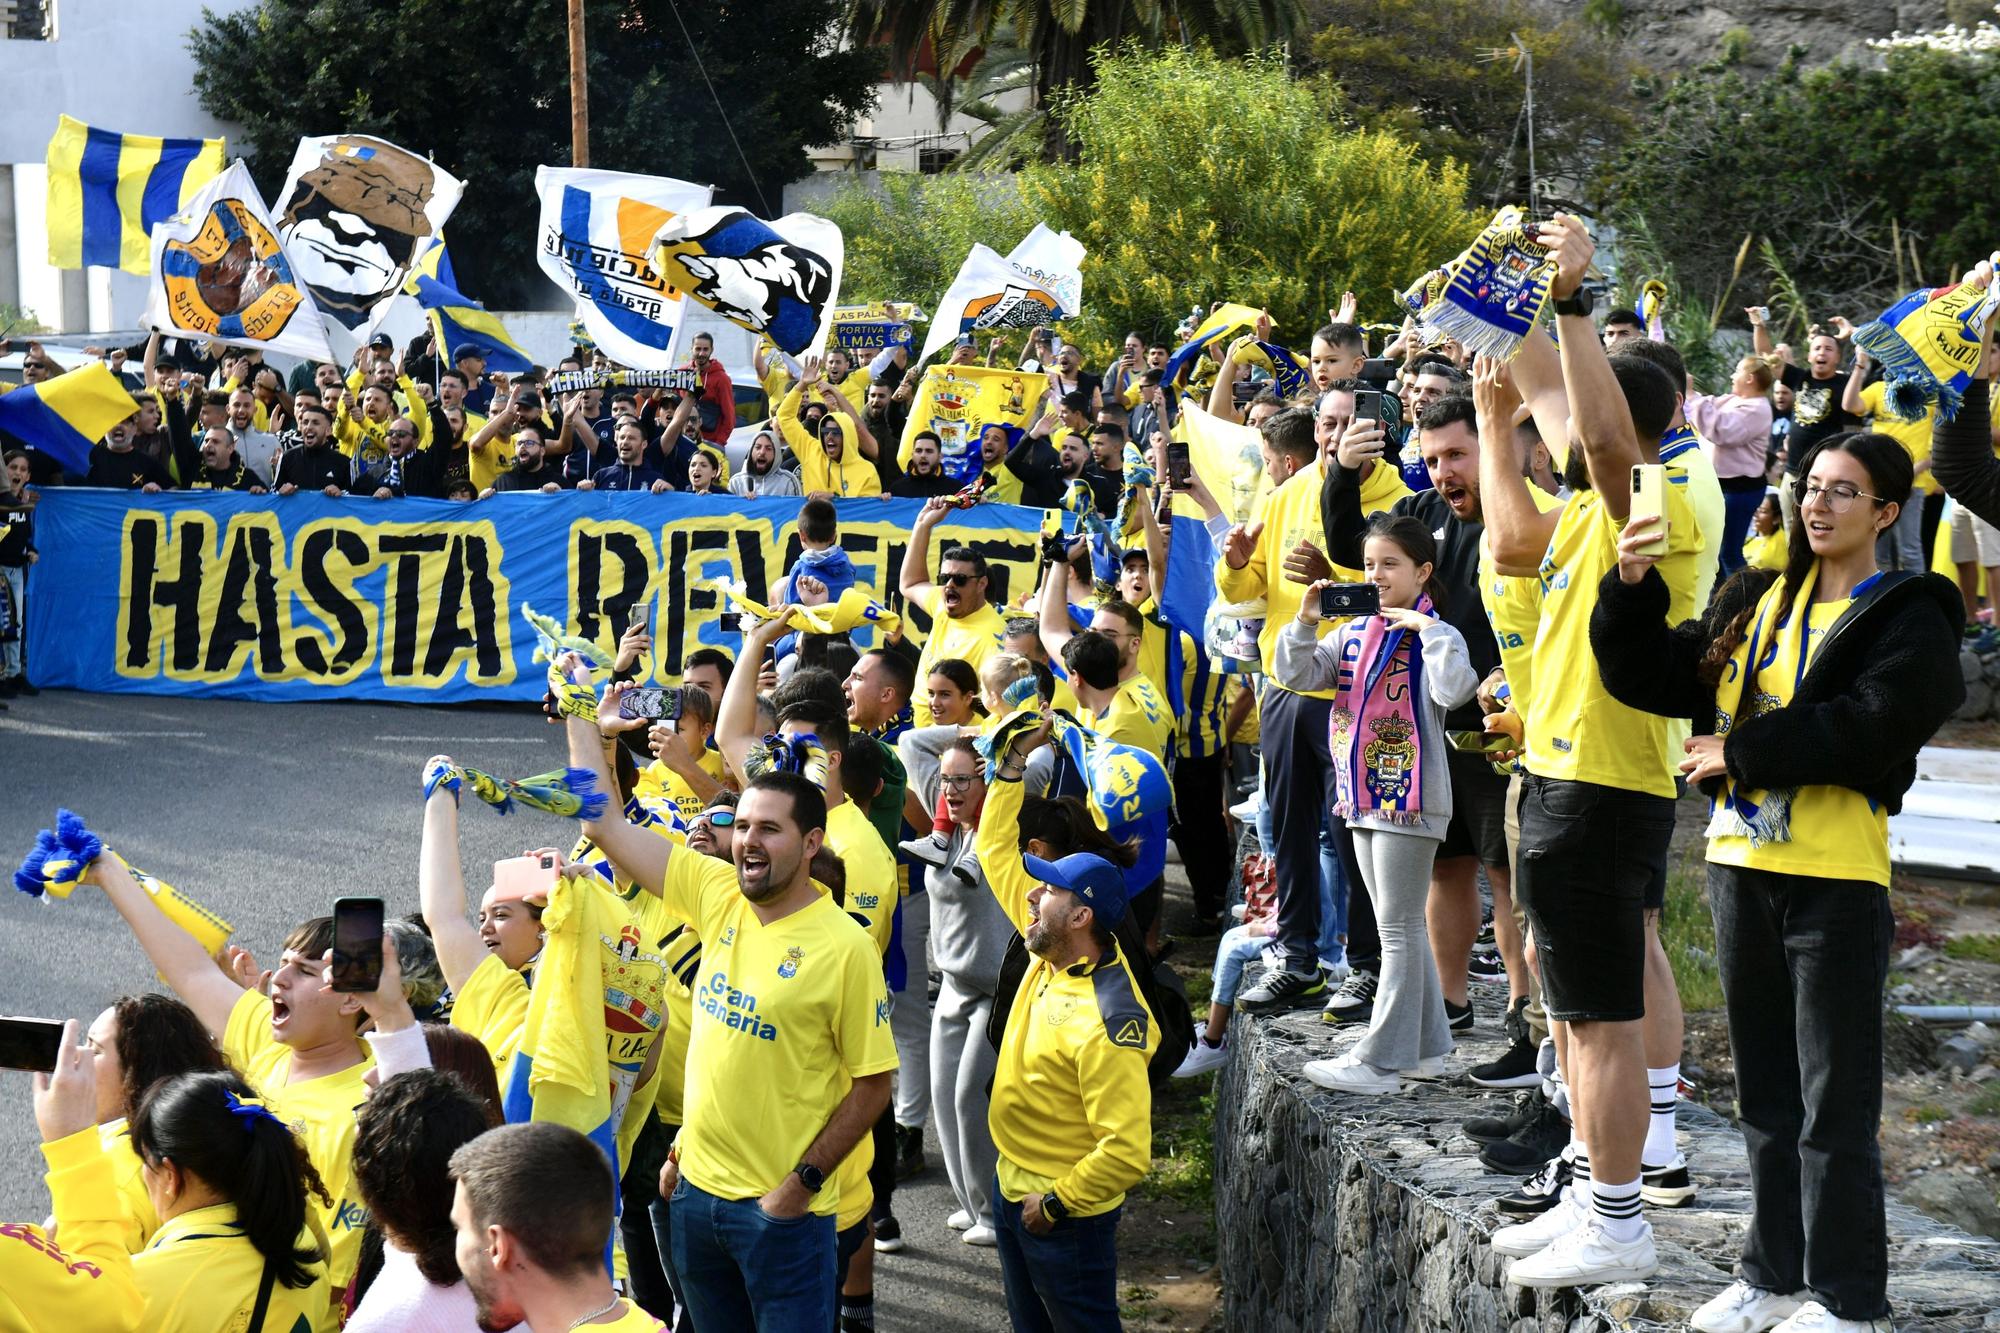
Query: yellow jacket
[(1290, 515), (367, 441), (89, 1282), (852, 475), (200, 1275), (1072, 1110)]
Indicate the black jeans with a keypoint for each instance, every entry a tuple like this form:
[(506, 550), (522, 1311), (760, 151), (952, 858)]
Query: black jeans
[(1199, 831), (1299, 789), (641, 1190), (1804, 962)]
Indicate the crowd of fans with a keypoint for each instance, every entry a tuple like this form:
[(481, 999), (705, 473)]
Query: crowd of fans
[(1493, 645)]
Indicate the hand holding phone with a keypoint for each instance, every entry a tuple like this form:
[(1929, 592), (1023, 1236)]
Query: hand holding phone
[(1649, 500), (66, 1097), (1180, 465), (357, 945), (31, 1043), (521, 878), (1339, 601), (650, 703)]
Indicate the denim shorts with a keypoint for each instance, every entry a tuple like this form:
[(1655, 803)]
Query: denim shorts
[(1593, 862)]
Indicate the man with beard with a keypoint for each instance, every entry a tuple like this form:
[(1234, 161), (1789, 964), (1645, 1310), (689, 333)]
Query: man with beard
[(885, 417), (789, 983), (1816, 391), (532, 1210), (407, 470), (925, 477), (217, 466), (114, 463), (718, 394), (316, 464), (963, 624), (761, 474), (1046, 471), (532, 470)]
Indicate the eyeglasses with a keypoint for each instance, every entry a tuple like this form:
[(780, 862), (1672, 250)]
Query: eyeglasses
[(962, 782), (1838, 498), (957, 580), (402, 435), (716, 818)]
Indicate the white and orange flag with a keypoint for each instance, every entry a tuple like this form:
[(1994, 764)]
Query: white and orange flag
[(596, 242)]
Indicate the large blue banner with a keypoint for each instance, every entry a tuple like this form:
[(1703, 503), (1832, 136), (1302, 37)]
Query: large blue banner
[(306, 597)]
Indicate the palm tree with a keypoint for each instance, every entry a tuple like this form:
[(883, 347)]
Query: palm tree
[(1057, 35), (1008, 137)]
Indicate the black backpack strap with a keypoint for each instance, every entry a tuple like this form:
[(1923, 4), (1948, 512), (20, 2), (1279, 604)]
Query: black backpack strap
[(263, 1305)]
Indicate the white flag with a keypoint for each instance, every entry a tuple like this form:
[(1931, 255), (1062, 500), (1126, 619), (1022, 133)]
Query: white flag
[(596, 243), (219, 271), (778, 278), (354, 215), (1040, 282)]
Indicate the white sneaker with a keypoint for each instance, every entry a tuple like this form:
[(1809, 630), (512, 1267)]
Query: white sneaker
[(1431, 1067), (1742, 1308), (1812, 1317), (1237, 911), (1346, 1073), (1247, 809), (959, 1221), (1533, 1236), (1587, 1257), (984, 1237), (1202, 1057)]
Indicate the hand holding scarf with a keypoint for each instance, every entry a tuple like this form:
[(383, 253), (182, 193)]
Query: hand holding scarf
[(1374, 732), (1490, 296)]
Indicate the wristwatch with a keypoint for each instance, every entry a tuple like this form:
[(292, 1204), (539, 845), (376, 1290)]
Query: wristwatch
[(1581, 302), (810, 1176), (1053, 1209)]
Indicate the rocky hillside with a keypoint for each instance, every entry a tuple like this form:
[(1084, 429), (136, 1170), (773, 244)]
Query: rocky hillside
[(1674, 34)]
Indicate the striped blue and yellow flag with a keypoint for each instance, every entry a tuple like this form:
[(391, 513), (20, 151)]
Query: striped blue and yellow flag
[(457, 319), (106, 190), (65, 416)]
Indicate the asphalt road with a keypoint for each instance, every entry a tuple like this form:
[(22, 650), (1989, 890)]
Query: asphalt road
[(267, 813)]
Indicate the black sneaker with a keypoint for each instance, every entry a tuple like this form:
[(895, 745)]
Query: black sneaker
[(1354, 1002), (1517, 1066), (1541, 1191), (1460, 1015), (909, 1151), (1667, 1186), (1492, 1129), (23, 688), (1485, 940), (1486, 966), (1523, 1152), (1281, 989), (888, 1236)]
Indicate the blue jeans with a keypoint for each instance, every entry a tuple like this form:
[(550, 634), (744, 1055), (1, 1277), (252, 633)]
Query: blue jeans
[(741, 1268), (1237, 947), (1739, 507), (1064, 1282)]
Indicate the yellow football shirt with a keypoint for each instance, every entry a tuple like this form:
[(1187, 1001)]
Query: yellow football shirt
[(1836, 832), (1766, 552), (871, 870), (320, 1112), (1138, 716), (971, 639), (1576, 731), (786, 1016), (1914, 436), (129, 1172), (1514, 608), (493, 1006)]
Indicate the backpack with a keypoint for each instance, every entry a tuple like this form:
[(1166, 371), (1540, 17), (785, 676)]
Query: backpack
[(1159, 985)]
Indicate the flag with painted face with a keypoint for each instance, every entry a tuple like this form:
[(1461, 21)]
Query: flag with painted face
[(220, 272), (354, 215), (1040, 281), (596, 243), (779, 278)]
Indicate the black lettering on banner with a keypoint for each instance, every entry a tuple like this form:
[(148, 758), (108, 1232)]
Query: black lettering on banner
[(247, 567), (594, 605), (684, 603), (142, 563), (405, 584), (179, 594), (486, 607), (328, 596), (448, 633)]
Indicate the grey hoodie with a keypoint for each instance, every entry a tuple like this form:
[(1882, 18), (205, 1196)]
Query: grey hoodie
[(969, 931)]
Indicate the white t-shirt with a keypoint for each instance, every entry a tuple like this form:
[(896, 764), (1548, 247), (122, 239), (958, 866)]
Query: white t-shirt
[(401, 1301)]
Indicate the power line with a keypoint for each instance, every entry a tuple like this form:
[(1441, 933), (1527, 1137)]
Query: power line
[(741, 156)]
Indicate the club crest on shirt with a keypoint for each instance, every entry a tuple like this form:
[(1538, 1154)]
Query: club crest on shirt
[(790, 967), (1059, 1009)]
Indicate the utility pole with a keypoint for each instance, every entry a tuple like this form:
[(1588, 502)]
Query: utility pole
[(579, 91), (1527, 65)]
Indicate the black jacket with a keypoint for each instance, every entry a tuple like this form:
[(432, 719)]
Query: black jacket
[(1457, 572), (314, 469), (1962, 454), (1884, 679)]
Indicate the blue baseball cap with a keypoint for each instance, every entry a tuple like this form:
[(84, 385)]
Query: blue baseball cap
[(1093, 879)]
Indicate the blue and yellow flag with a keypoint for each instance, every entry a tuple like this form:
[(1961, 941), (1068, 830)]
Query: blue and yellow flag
[(1929, 344), (106, 190), (958, 402), (457, 319), (65, 416), (1223, 322)]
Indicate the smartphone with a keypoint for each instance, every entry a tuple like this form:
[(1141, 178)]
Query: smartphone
[(357, 944), (1649, 500), (1480, 742), (1367, 404), (520, 877), (30, 1043), (641, 616), (651, 703), (1339, 600), (1379, 370), (1180, 467), (730, 622)]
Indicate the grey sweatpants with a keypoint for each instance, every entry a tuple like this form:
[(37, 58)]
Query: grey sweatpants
[(1409, 1023), (962, 1063)]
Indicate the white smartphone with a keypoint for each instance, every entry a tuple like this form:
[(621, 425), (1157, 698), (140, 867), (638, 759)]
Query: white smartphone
[(1649, 500)]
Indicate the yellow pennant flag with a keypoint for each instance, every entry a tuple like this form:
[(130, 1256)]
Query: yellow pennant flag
[(1227, 457), (958, 402)]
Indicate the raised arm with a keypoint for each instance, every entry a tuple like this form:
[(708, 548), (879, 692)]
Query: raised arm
[(1536, 372), (1052, 605), (636, 853), (915, 579), (441, 890), (736, 715), (1760, 332), (1517, 532), (864, 438), (176, 955), (996, 842), (1597, 407), (1857, 379)]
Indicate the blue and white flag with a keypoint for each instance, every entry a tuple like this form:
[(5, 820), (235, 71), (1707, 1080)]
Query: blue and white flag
[(596, 243), (778, 278), (1039, 282)]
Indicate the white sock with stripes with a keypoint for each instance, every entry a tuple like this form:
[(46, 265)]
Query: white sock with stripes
[(1617, 1210), (1665, 1087)]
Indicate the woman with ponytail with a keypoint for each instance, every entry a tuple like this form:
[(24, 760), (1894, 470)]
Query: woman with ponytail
[(230, 1183), (1394, 673), (1812, 691)]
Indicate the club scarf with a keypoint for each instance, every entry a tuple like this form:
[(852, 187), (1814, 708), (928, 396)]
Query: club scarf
[(62, 858), (1779, 638), (1490, 296), (854, 609), (802, 754), (1375, 732), (1928, 344), (569, 792)]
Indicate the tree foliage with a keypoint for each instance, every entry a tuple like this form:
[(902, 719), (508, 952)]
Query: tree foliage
[(1865, 181), (1427, 70), (484, 89), (907, 236), (1201, 179)]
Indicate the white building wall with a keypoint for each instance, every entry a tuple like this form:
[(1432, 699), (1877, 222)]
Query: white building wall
[(904, 123)]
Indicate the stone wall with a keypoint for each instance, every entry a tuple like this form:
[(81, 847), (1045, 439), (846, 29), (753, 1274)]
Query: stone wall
[(1371, 1214)]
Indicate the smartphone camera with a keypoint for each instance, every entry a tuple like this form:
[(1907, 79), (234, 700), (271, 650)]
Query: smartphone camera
[(650, 703), (1180, 465), (1342, 600), (357, 944)]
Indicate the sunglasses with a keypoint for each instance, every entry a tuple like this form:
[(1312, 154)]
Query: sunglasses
[(716, 818), (957, 580)]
